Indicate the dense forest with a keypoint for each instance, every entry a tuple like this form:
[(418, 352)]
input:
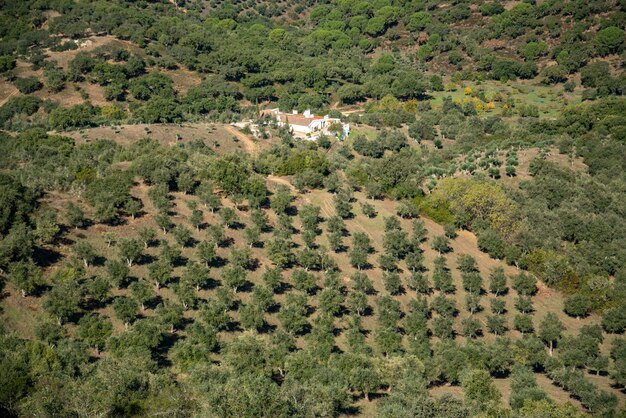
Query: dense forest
[(166, 248)]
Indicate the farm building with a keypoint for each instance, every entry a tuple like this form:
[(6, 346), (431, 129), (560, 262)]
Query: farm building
[(307, 125)]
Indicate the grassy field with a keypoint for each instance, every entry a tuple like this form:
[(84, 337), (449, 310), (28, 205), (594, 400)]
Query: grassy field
[(550, 100), (220, 137)]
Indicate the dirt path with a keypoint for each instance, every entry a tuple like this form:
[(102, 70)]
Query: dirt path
[(282, 181), (14, 92), (251, 147)]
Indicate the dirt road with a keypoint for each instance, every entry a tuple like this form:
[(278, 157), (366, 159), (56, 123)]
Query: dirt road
[(251, 147)]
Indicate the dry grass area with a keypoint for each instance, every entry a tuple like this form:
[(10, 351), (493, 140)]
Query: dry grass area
[(221, 137), (90, 44), (183, 79), (7, 90), (20, 314)]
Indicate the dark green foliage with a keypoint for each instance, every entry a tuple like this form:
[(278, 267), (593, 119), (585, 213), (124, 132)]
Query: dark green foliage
[(63, 301), (610, 40), (442, 278), (117, 271), (393, 284), (472, 282), (84, 251), (19, 105), (343, 207), (94, 331), (523, 323), (441, 244), (550, 329), (444, 306), (489, 241), (130, 250), (524, 387), (524, 304), (54, 79), (574, 381), (125, 309), (75, 216), (26, 276), (497, 281), (496, 324), (442, 327), (234, 277), (361, 282), (472, 303), (525, 284), (6, 63), (498, 306), (360, 249), (419, 282), (293, 314), (478, 388), (160, 110), (28, 85), (471, 328), (152, 85), (77, 116), (614, 319), (368, 210), (577, 305)]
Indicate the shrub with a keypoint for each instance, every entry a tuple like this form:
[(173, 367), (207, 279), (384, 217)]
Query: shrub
[(610, 40), (72, 117), (490, 242), (577, 305), (28, 85), (6, 63)]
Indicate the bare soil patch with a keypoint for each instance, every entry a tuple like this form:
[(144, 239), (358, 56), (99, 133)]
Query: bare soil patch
[(222, 138)]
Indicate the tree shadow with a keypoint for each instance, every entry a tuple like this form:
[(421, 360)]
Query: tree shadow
[(167, 342), (40, 290), (246, 287), (283, 287), (145, 259), (153, 302), (210, 284), (306, 329), (235, 226), (274, 308), (267, 328), (233, 326), (226, 242), (368, 311), (191, 243), (218, 262), (179, 261), (45, 257), (98, 261)]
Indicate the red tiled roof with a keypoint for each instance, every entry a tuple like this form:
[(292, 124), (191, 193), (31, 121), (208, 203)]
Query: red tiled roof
[(297, 119)]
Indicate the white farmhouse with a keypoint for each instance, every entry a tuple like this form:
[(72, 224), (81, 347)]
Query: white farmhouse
[(306, 125)]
